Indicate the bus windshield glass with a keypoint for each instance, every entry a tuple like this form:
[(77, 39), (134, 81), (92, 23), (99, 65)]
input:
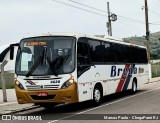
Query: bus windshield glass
[(45, 56)]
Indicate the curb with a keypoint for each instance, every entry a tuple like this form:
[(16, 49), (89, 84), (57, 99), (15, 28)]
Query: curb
[(155, 81), (7, 103)]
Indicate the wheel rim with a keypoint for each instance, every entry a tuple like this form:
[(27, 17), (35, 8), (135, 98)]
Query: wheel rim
[(97, 95), (134, 87)]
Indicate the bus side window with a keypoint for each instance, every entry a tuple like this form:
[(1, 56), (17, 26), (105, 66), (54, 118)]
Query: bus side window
[(82, 58), (82, 52)]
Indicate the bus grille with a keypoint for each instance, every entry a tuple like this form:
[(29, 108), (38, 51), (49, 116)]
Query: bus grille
[(49, 97), (42, 87)]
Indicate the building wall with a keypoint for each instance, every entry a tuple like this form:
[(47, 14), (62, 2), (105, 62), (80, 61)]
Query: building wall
[(9, 79)]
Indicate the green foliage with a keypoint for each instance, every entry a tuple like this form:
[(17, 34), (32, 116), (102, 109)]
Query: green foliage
[(9, 79), (8, 86), (155, 75), (155, 70)]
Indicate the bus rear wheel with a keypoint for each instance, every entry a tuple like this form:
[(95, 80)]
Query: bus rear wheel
[(97, 96), (134, 87)]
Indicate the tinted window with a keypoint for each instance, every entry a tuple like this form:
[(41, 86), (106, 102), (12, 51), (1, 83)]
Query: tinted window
[(108, 52), (82, 52), (143, 56), (126, 54), (118, 53), (83, 61), (96, 51), (137, 55), (102, 52)]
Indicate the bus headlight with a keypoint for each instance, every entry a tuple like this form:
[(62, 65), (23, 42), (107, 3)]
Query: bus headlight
[(68, 83), (19, 85)]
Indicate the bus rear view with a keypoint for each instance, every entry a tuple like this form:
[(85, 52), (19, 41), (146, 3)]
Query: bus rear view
[(45, 70)]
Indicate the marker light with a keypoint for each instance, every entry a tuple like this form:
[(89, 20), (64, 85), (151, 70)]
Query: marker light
[(71, 80)]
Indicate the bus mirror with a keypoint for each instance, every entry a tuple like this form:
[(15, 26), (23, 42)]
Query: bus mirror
[(11, 52)]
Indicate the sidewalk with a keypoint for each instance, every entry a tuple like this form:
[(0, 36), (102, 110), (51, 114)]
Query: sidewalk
[(156, 79), (11, 95), (13, 106)]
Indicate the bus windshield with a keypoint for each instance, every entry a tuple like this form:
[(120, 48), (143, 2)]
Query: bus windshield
[(46, 56)]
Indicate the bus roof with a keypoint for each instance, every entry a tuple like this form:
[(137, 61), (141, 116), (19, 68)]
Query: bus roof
[(78, 35), (57, 34)]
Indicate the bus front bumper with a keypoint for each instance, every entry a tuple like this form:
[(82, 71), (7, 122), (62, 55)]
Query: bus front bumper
[(53, 96)]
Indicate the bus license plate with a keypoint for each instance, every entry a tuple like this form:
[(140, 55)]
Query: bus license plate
[(42, 94)]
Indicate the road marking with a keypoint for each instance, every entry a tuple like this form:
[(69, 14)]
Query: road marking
[(8, 103), (102, 105)]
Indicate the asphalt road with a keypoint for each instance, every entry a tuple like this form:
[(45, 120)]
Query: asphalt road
[(146, 102)]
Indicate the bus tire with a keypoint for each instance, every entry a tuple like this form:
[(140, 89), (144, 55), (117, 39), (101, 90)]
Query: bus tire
[(97, 96), (134, 87)]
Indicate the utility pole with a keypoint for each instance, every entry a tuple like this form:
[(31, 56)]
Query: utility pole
[(109, 26), (147, 31), (3, 81)]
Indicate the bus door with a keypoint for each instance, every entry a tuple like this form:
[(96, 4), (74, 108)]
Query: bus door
[(84, 71)]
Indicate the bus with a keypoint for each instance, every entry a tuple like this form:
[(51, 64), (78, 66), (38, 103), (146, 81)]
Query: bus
[(58, 68)]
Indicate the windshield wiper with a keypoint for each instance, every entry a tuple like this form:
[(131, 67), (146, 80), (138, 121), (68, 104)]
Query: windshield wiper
[(40, 59), (57, 63), (35, 65), (45, 57)]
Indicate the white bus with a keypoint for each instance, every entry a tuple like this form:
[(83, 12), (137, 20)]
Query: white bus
[(72, 67)]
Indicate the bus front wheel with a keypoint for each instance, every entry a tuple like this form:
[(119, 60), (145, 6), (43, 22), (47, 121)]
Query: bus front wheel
[(97, 96)]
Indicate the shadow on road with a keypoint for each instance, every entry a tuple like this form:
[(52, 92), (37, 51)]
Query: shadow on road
[(78, 107)]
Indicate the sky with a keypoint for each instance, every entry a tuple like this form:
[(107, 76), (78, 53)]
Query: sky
[(20, 18)]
